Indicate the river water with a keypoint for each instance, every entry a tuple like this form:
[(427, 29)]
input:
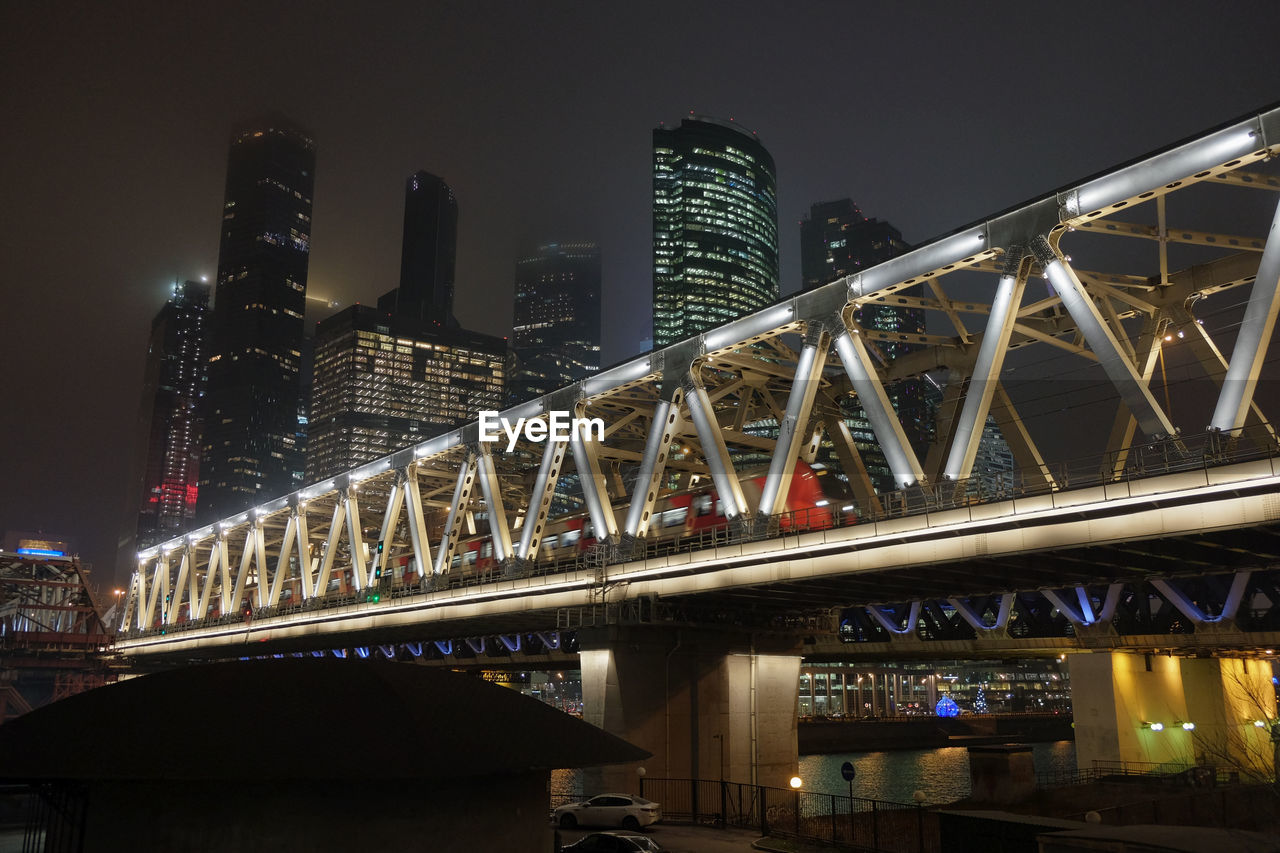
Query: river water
[(942, 774)]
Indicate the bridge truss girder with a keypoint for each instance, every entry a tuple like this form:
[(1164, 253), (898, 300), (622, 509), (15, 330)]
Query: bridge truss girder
[(761, 385)]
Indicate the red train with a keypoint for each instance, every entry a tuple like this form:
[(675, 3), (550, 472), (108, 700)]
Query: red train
[(816, 501)]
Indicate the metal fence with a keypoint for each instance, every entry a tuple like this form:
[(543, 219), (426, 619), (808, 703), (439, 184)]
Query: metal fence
[(871, 825)]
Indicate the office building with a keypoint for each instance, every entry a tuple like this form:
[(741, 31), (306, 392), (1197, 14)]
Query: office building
[(428, 254), (251, 447), (384, 382), (172, 389), (556, 327), (715, 227)]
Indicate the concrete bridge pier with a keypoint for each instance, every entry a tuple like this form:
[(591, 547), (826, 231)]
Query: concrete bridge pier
[(1163, 709), (707, 704)]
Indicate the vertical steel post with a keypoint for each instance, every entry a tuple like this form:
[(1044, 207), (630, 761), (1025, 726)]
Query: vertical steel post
[(355, 537), (304, 553), (491, 488)]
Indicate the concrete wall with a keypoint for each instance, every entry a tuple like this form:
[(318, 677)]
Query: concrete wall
[(1113, 694), (703, 705)]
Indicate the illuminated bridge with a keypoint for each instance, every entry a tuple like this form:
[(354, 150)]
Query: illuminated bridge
[(728, 514)]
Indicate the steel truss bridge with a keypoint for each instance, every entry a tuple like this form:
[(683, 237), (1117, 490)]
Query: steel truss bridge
[(1163, 539), (51, 631)]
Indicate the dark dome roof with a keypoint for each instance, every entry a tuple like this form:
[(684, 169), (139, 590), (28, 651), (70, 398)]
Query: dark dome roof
[(301, 718)]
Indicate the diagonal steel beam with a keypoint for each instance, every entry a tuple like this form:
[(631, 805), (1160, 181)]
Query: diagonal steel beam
[(544, 490), (667, 421), (1151, 418), (594, 489), (1251, 342), (416, 522), (390, 517), (804, 387), (175, 599), (282, 562), (457, 512), (875, 403), (987, 367), (714, 450), (491, 488), (355, 539), (854, 468)]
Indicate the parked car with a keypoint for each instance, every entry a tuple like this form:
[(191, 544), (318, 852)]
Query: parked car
[(621, 810), (613, 842)]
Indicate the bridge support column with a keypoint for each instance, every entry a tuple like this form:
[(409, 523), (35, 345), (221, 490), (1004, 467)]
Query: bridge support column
[(1132, 707), (704, 704)]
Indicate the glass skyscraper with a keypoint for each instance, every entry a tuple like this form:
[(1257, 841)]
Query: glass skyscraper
[(556, 324), (251, 449), (173, 386), (715, 227)]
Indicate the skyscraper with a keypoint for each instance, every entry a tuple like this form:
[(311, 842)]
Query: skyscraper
[(390, 377), (715, 227), (384, 382), (428, 253), (251, 449), (173, 386), (556, 325)]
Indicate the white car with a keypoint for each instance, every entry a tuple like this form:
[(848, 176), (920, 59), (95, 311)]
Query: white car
[(622, 810)]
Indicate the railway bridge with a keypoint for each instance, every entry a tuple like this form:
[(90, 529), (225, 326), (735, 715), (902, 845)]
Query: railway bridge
[(735, 508)]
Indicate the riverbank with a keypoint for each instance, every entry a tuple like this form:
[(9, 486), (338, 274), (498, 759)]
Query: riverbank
[(825, 736)]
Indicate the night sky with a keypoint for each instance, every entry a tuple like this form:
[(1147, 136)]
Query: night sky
[(117, 116)]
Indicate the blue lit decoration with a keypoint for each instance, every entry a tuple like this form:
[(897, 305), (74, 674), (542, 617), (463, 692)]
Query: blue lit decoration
[(41, 552), (980, 702), (947, 707)]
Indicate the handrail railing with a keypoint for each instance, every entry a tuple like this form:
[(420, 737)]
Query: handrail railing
[(866, 824)]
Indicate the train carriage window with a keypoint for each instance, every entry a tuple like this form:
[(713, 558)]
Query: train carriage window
[(701, 506), (550, 542), (720, 508), (675, 517), (469, 558), (588, 530), (486, 550), (456, 562), (570, 537)]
